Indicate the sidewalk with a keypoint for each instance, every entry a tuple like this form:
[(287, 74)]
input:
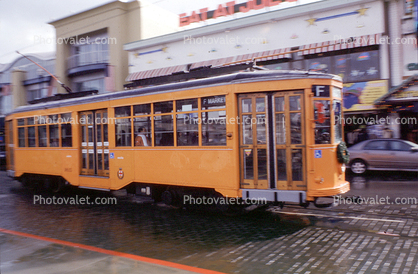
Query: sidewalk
[(26, 253)]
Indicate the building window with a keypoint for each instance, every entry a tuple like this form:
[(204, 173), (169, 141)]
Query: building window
[(364, 66), (321, 64), (66, 131), (97, 84)]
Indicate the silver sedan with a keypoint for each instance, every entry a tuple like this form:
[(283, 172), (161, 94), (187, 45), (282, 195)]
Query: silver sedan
[(383, 154)]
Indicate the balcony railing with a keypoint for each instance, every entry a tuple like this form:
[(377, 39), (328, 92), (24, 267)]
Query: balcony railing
[(87, 58)]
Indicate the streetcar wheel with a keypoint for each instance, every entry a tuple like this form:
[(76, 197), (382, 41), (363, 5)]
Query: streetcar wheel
[(167, 197), (56, 185), (358, 166), (170, 197)]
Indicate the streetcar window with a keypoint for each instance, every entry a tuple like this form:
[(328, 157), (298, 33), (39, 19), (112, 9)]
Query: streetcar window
[(66, 117), (338, 127), (21, 137), (296, 128), (42, 138), (246, 105), (280, 128), (40, 120), (247, 129), (52, 119), (214, 128), (142, 129), (53, 135), (31, 137), (322, 121), (163, 130), (163, 107), (30, 121), (188, 129), (186, 105), (123, 111), (66, 135), (279, 104), (336, 93), (294, 103), (143, 109), (20, 122), (123, 131), (213, 102)]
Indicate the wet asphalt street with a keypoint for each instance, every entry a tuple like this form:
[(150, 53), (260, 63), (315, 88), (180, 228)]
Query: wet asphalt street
[(362, 237)]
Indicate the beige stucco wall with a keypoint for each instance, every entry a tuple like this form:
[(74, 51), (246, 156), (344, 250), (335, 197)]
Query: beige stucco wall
[(18, 90), (123, 22)]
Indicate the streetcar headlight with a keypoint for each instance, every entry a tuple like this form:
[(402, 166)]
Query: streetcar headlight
[(343, 168)]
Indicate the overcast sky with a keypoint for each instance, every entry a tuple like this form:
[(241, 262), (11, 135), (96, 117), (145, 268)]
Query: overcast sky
[(24, 23)]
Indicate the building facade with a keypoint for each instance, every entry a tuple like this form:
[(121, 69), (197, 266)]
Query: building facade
[(90, 52)]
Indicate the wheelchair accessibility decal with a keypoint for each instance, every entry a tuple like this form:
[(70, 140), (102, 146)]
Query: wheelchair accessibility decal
[(318, 153)]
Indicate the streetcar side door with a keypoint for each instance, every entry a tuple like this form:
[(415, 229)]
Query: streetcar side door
[(94, 143), (272, 140)]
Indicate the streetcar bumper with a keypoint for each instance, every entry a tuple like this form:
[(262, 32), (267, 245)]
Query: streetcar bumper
[(274, 195), (331, 191)]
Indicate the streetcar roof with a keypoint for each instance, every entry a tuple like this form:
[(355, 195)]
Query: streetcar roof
[(234, 78)]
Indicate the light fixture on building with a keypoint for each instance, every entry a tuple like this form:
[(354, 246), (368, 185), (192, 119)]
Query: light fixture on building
[(326, 31), (149, 62), (212, 50), (169, 58), (238, 46), (294, 36), (360, 26), (264, 41), (190, 54)]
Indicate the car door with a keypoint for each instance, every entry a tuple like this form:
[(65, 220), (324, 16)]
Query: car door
[(377, 154), (401, 155)]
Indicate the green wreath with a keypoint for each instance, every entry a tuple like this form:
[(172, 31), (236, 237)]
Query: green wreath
[(343, 155)]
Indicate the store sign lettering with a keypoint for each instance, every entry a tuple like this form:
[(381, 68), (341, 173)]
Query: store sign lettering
[(227, 9)]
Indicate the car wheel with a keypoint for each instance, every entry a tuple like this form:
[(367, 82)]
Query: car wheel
[(358, 167)]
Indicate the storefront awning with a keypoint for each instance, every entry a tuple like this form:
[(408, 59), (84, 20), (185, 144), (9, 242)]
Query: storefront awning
[(405, 93), (154, 73), (270, 55), (340, 44)]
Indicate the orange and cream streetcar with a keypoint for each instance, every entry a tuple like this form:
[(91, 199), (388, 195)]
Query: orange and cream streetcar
[(274, 135)]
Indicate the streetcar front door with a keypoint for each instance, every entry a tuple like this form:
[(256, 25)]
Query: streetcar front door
[(272, 141), (94, 143)]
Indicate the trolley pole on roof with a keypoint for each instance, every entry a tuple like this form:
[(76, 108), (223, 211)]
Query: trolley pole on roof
[(68, 89)]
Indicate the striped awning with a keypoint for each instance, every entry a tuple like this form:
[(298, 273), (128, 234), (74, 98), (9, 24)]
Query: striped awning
[(213, 63), (277, 54), (154, 73), (352, 42)]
